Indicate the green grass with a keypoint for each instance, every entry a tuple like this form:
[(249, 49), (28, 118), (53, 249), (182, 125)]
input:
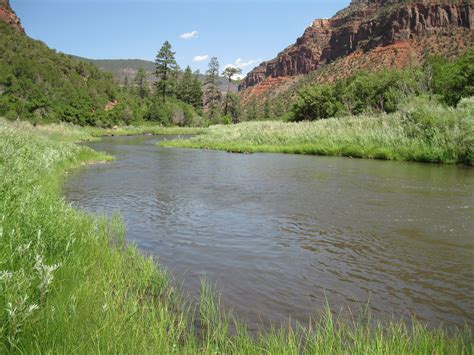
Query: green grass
[(422, 131), (74, 133), (70, 284)]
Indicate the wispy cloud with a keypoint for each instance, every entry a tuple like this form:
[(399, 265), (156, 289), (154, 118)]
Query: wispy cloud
[(200, 58), (240, 63), (189, 35)]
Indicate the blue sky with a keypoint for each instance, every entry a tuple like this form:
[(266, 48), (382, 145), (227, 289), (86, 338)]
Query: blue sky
[(241, 32)]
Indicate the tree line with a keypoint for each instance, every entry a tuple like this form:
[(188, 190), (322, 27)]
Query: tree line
[(180, 97)]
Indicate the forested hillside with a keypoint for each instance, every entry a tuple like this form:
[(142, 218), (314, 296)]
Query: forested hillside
[(40, 84)]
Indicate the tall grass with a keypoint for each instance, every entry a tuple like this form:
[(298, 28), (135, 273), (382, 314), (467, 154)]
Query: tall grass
[(70, 284), (422, 131), (74, 133)]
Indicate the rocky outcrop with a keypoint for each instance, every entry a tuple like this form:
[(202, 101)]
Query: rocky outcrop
[(364, 26), (8, 15)]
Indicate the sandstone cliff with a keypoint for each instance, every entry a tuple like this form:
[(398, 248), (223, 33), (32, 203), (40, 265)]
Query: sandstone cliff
[(8, 15), (366, 26)]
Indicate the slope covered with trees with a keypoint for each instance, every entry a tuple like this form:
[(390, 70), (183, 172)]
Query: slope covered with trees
[(41, 85)]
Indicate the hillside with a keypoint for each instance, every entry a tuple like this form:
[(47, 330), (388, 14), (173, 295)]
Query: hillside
[(369, 35), (39, 84)]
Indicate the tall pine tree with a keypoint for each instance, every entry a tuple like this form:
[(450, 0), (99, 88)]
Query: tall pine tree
[(196, 91), (212, 95), (166, 71), (184, 88)]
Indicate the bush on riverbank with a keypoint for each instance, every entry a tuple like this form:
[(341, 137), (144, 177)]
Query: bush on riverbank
[(422, 130), (385, 90), (69, 283)]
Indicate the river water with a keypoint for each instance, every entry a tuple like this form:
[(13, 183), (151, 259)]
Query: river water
[(282, 235)]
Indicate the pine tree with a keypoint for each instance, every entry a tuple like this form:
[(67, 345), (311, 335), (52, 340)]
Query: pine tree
[(166, 71), (185, 86), (232, 106), (229, 73), (212, 96), (196, 91), (141, 81)]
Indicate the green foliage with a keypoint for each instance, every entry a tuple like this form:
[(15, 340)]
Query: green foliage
[(166, 71), (189, 89), (212, 94), (453, 80), (232, 107), (40, 85), (385, 90), (171, 112), (423, 130), (363, 92), (141, 80), (315, 102), (252, 112)]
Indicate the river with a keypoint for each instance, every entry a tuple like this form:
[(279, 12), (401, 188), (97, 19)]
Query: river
[(282, 235)]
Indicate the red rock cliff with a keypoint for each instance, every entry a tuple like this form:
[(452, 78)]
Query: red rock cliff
[(8, 15), (364, 26)]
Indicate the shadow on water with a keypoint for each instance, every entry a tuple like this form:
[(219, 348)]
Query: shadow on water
[(283, 234)]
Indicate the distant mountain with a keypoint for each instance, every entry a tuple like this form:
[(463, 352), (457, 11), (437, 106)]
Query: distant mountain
[(367, 35), (128, 68)]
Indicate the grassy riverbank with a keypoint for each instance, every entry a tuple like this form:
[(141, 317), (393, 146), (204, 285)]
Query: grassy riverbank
[(72, 133), (69, 283), (422, 131)]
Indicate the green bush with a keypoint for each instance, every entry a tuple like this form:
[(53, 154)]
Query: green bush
[(171, 112), (453, 80), (361, 93), (316, 102)]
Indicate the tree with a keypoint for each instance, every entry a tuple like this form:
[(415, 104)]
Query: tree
[(196, 91), (266, 109), (212, 92), (125, 83), (166, 70), (184, 88), (314, 103), (141, 81), (251, 112), (228, 73), (232, 106), (454, 80)]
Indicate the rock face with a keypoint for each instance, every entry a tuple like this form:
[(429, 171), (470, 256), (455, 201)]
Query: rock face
[(363, 26), (8, 15)]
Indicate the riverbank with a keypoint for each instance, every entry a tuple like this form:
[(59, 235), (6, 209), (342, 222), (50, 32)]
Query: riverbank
[(423, 132), (69, 282), (73, 133)]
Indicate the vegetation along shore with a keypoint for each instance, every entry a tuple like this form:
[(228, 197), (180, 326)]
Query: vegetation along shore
[(422, 131), (69, 282)]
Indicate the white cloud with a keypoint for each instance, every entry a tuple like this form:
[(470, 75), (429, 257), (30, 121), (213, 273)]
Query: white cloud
[(200, 58), (189, 35), (239, 63)]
